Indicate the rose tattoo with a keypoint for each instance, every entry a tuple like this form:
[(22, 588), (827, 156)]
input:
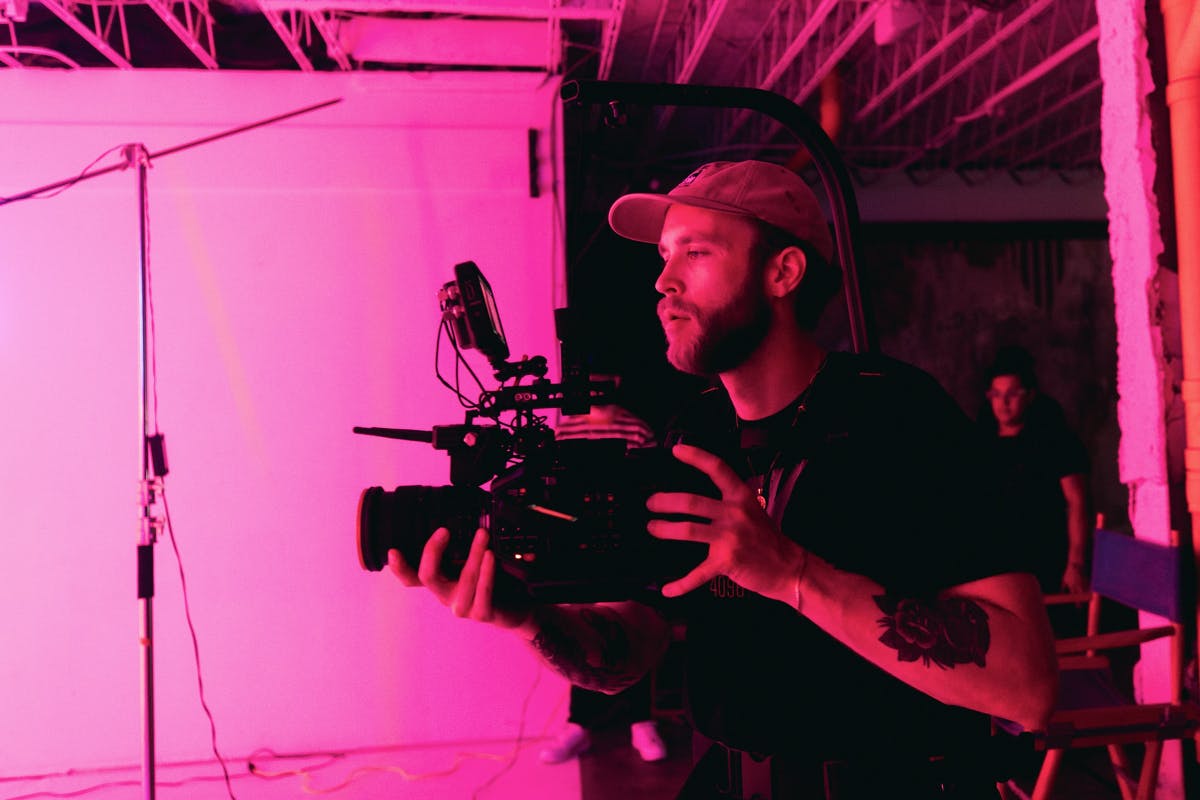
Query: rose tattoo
[(943, 632)]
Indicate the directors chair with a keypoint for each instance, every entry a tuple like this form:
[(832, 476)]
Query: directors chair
[(1093, 710)]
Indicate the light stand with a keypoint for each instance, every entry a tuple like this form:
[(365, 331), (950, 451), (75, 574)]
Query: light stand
[(138, 157), (151, 443)]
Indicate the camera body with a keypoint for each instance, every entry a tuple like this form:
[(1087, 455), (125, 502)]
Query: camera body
[(567, 518), (567, 523)]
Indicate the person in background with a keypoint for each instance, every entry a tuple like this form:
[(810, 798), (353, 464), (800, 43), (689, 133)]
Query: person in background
[(1042, 470), (593, 710)]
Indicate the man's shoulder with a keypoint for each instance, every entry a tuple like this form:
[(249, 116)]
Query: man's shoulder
[(874, 365), (707, 406), (873, 379)]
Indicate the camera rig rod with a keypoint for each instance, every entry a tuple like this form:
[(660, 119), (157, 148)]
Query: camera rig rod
[(406, 434), (572, 398)]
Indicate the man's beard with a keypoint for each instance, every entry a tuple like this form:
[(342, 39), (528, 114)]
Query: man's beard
[(724, 336)]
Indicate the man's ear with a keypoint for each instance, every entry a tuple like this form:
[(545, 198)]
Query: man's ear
[(785, 271)]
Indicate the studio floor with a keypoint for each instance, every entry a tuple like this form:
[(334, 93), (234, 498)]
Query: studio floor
[(610, 770)]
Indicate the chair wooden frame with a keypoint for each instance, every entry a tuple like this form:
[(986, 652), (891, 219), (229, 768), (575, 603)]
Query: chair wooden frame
[(1116, 722)]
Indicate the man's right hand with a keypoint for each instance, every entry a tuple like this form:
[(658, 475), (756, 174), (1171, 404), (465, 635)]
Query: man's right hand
[(471, 595)]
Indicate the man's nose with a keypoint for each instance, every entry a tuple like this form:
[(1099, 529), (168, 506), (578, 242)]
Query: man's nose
[(667, 282)]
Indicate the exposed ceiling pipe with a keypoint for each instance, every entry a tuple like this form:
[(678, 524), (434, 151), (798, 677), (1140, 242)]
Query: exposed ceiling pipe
[(831, 118), (1181, 28), (9, 53)]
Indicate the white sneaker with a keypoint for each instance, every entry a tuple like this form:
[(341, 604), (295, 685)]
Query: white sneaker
[(570, 742), (647, 742)]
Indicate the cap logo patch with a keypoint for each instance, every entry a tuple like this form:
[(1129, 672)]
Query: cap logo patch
[(690, 179)]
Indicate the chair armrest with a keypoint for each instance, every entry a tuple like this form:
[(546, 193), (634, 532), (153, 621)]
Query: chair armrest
[(1067, 597), (1072, 661), (1109, 641)]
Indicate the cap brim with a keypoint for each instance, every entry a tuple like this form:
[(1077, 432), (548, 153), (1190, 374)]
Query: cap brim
[(640, 216)]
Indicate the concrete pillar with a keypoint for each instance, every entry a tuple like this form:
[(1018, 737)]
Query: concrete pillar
[(1129, 162)]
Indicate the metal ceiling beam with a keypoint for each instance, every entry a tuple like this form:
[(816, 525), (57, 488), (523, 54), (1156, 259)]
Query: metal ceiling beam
[(197, 23), (815, 51), (694, 37), (92, 37), (1059, 143), (993, 141), (1021, 76), (780, 29), (991, 44), (786, 31), (942, 40), (601, 10), (608, 39), (289, 27), (333, 46), (652, 47)]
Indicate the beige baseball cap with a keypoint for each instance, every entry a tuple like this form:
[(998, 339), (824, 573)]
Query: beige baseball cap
[(768, 192)]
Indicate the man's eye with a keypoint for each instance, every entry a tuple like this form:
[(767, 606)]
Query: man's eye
[(696, 253)]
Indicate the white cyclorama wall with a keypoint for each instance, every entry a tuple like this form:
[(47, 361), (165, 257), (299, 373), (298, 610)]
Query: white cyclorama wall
[(294, 273)]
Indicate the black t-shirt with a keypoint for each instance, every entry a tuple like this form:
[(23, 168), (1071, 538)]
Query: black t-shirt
[(1030, 468), (892, 487)]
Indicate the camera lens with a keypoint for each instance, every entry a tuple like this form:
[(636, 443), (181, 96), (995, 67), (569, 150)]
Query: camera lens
[(405, 518)]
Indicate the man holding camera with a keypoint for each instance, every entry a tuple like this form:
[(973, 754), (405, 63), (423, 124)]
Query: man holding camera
[(856, 619)]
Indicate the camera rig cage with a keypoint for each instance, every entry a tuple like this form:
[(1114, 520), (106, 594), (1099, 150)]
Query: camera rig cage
[(471, 321)]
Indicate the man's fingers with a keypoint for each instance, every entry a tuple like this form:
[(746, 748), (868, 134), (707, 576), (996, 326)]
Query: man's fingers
[(681, 531), (693, 580), (430, 568), (722, 475), (406, 574), (481, 609), (464, 591), (694, 505)]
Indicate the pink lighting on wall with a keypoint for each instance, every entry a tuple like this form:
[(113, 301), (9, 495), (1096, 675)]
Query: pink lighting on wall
[(295, 272)]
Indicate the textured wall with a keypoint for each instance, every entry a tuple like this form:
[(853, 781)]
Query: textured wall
[(945, 297)]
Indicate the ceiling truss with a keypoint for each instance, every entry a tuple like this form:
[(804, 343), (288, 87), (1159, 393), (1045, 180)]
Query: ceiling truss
[(910, 86)]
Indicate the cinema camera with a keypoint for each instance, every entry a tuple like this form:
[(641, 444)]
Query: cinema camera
[(567, 519)]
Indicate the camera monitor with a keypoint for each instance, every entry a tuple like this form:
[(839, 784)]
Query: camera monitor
[(470, 307)]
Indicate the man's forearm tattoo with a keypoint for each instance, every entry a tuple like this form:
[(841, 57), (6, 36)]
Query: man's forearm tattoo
[(589, 647), (945, 632)]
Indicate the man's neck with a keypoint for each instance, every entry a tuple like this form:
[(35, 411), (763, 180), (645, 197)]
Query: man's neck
[(774, 374), (1004, 430)]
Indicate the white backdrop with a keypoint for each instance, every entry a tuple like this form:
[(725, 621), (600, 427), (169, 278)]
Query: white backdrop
[(294, 270)]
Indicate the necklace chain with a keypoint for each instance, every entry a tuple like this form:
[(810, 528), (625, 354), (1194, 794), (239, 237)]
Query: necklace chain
[(765, 478)]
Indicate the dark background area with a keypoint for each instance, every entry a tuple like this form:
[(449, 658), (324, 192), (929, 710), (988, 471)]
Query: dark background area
[(942, 296)]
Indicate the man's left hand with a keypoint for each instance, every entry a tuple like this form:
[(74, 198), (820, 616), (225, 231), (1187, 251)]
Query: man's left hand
[(744, 543)]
